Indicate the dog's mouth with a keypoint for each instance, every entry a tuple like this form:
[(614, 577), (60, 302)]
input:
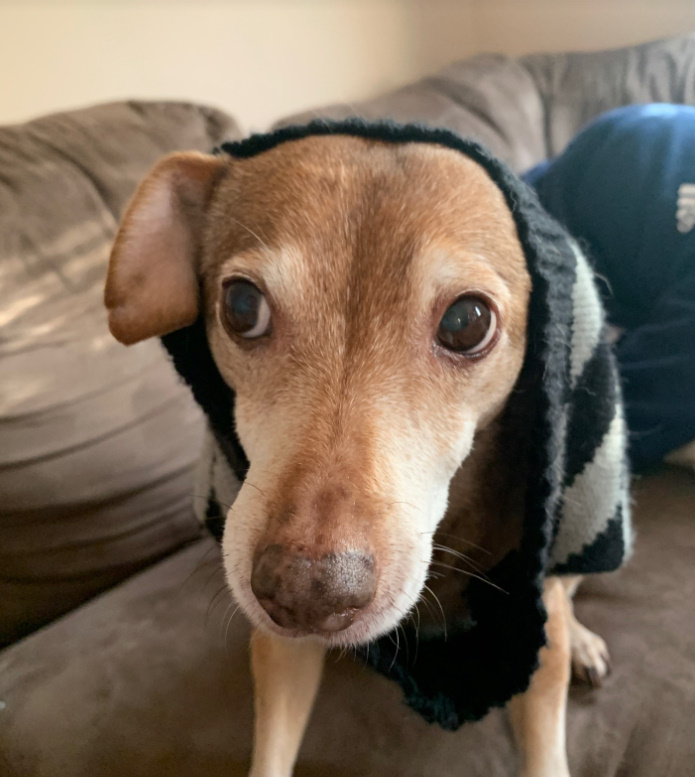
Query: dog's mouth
[(323, 623), (336, 596), (340, 629)]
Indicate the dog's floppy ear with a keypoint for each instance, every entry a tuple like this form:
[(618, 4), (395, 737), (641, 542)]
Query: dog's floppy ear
[(152, 282)]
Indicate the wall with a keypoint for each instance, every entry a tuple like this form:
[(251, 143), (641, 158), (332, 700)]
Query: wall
[(559, 25), (261, 59), (256, 58)]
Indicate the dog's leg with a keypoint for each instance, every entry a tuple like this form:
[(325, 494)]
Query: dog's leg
[(286, 676), (539, 715), (590, 658)]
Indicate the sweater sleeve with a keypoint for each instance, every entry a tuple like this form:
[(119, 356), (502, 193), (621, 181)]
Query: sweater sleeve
[(623, 189)]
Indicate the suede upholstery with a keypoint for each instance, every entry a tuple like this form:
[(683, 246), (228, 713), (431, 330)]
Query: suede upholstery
[(151, 678), (527, 109), (97, 442)]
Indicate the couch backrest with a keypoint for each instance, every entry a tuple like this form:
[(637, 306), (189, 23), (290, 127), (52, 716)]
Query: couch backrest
[(577, 87), (527, 109), (489, 97)]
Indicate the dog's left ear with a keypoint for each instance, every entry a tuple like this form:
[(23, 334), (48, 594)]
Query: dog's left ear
[(152, 282)]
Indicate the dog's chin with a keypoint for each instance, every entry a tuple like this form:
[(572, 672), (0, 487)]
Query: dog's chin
[(363, 631)]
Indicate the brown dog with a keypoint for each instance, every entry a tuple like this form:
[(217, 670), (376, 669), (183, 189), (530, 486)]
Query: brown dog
[(333, 274)]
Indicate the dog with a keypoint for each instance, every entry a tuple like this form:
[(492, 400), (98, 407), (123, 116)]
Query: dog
[(368, 304)]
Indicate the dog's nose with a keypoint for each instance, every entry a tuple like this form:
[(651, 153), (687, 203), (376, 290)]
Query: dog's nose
[(322, 594)]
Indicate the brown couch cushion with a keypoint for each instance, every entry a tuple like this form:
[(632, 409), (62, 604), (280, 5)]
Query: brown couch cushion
[(96, 441), (148, 680)]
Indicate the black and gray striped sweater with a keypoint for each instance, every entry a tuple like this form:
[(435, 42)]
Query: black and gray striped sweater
[(577, 516)]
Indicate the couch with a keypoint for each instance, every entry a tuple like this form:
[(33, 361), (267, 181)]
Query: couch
[(124, 654)]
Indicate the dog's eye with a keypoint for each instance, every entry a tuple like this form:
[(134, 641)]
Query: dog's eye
[(468, 326), (246, 309)]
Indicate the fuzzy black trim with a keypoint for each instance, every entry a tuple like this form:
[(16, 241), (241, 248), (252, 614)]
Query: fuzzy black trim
[(453, 680), (190, 352)]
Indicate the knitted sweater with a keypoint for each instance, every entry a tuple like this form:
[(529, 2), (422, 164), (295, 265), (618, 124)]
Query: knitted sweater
[(576, 505)]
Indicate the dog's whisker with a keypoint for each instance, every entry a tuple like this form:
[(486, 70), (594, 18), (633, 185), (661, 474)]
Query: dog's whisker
[(212, 602), (436, 598), (405, 642), (214, 501), (224, 617), (250, 231), (447, 549), (461, 556), (469, 574), (215, 571), (417, 633), (398, 646), (458, 538), (427, 604), (253, 485), (366, 656), (226, 632), (199, 566), (416, 611), (393, 636)]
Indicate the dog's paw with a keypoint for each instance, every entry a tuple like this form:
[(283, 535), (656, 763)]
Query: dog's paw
[(590, 658)]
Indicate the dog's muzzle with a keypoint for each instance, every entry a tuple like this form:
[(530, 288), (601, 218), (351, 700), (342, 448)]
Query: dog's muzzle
[(313, 595)]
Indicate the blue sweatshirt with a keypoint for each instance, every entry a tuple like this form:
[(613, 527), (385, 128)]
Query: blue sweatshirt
[(625, 188)]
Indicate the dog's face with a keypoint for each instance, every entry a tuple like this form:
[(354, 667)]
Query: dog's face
[(367, 303)]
